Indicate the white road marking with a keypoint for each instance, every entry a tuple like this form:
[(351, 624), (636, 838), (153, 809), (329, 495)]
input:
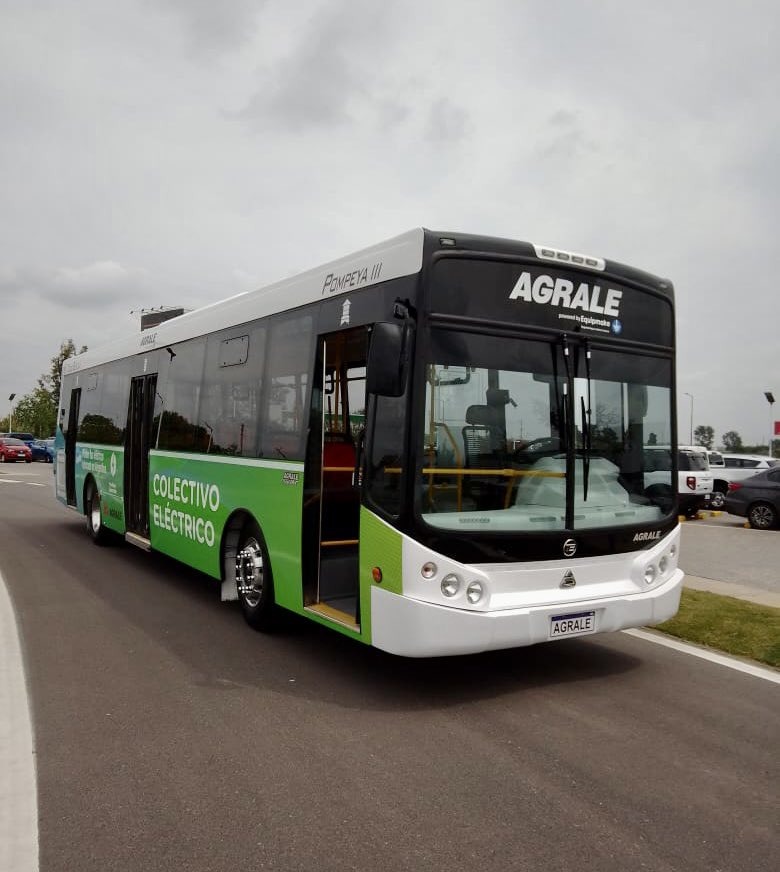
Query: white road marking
[(721, 659), (18, 797), (19, 481)]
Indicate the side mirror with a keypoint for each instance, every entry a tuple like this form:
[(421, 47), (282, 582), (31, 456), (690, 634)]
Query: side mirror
[(388, 358)]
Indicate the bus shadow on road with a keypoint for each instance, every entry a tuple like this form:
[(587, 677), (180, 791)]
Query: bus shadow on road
[(179, 608)]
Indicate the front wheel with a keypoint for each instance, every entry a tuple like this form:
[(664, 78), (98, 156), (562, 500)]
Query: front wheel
[(254, 580), (762, 516), (93, 512)]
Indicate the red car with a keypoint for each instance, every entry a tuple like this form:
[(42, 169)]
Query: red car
[(12, 450)]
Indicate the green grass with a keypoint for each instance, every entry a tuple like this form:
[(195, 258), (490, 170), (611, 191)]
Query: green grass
[(730, 625)]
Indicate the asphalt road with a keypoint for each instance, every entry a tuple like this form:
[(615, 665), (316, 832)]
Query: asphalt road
[(170, 736)]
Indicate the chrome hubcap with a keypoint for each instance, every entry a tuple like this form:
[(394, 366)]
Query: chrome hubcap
[(249, 572), (94, 513)]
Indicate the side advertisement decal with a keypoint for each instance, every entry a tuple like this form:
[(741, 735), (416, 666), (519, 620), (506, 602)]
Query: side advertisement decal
[(191, 498), (106, 464)]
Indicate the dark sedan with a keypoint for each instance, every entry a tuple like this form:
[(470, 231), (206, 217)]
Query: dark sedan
[(12, 450), (756, 498)]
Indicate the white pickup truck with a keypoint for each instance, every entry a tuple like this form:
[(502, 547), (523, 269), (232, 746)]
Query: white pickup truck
[(694, 479)]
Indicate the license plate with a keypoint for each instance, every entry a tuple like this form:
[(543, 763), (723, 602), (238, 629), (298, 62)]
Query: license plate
[(577, 624)]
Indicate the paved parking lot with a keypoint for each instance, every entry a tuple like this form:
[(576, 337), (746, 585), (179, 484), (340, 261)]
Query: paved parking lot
[(719, 553)]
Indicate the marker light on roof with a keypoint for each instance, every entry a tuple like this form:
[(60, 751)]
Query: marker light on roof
[(544, 252)]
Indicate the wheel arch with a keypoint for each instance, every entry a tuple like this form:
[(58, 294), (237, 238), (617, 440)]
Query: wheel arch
[(228, 550)]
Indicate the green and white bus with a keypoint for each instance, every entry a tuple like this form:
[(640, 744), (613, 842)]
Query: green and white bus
[(436, 445)]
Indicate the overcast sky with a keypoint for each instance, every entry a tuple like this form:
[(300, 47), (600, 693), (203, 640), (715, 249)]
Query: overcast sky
[(175, 152)]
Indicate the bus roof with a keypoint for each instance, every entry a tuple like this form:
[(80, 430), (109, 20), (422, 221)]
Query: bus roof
[(396, 257)]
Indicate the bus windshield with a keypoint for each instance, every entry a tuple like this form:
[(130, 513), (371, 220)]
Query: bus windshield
[(523, 435)]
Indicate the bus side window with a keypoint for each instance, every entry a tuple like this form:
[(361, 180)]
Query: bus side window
[(230, 402), (179, 430), (285, 405)]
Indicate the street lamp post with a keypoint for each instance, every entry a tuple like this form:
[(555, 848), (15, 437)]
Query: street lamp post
[(11, 413), (691, 396), (770, 398)]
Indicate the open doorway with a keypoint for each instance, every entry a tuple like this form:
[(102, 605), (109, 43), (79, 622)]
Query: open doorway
[(332, 492)]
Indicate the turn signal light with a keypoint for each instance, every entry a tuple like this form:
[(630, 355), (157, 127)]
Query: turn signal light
[(691, 482), (735, 485)]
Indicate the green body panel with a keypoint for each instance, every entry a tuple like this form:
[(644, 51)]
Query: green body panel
[(380, 545), (106, 464), (191, 497)]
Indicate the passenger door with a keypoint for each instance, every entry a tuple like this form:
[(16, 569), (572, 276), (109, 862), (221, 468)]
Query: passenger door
[(140, 439)]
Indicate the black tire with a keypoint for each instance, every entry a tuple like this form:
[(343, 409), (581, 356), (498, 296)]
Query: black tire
[(254, 580), (762, 516), (717, 499), (93, 513)]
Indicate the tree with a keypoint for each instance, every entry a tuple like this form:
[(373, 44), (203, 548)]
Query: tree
[(704, 435), (732, 441), (51, 381), (36, 412)]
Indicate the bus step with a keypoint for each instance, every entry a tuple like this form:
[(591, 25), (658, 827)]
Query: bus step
[(345, 619), (138, 541)]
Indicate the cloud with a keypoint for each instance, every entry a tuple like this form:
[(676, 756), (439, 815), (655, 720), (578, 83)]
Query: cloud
[(447, 122), (101, 284), (212, 27), (330, 76)]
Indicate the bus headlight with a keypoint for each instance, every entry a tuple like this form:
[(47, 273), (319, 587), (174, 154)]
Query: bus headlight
[(650, 573), (474, 592), (663, 564), (450, 585), (428, 570)]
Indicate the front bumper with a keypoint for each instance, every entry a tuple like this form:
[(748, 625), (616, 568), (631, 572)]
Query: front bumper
[(412, 628)]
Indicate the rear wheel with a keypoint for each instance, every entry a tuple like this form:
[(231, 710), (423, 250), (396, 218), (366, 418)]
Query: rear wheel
[(93, 511), (254, 581), (717, 500), (762, 516)]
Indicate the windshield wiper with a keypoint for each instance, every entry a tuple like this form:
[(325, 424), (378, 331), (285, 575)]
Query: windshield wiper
[(565, 404), (586, 435)]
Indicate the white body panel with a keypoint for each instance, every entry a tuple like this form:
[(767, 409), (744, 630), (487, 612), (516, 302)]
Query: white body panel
[(520, 599), (414, 629)]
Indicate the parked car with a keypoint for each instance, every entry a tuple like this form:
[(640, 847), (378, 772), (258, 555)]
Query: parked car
[(27, 438), (12, 450), (757, 498), (734, 467), (42, 449), (694, 479)]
